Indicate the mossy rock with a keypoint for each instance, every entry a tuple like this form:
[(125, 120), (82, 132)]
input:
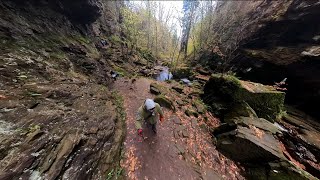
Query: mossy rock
[(264, 100), (179, 89), (182, 72), (200, 107), (240, 109), (164, 102), (156, 89), (180, 102), (191, 112)]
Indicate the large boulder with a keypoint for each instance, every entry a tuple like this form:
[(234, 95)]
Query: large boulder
[(253, 142), (250, 140), (227, 91)]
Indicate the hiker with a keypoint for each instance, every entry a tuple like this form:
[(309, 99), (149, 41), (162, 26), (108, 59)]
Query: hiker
[(103, 42), (148, 113), (114, 75)]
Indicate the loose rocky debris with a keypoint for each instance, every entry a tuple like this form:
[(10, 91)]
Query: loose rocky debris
[(257, 143), (69, 130)]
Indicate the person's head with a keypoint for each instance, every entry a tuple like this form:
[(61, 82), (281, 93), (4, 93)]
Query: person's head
[(150, 105)]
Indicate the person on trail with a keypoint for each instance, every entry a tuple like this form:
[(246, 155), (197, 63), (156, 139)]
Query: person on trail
[(149, 113), (114, 75)]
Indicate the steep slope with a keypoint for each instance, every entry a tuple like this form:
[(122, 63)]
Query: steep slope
[(58, 118)]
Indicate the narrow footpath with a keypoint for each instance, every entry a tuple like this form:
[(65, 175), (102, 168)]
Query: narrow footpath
[(167, 155)]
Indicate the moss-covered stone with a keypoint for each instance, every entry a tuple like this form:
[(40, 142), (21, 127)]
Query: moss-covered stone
[(156, 89), (182, 72), (164, 102), (240, 109), (228, 91), (190, 112), (178, 88), (200, 107)]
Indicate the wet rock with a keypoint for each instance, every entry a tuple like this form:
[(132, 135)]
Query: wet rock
[(186, 81)]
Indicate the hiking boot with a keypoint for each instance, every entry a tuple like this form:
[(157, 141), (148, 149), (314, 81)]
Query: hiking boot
[(154, 128)]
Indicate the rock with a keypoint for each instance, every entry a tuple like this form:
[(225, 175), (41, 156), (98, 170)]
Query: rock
[(180, 102), (178, 89), (186, 81), (190, 113), (244, 145), (240, 109), (249, 140), (269, 54), (154, 90), (313, 51), (194, 123), (164, 102), (277, 170), (182, 72), (180, 149), (264, 100), (200, 107), (210, 174), (185, 133), (177, 120)]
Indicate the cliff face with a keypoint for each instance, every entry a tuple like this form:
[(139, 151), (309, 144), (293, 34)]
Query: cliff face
[(30, 18), (58, 118), (276, 40)]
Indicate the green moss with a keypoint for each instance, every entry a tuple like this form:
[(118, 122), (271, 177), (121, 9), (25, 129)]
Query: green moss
[(164, 101), (120, 71), (267, 105), (115, 39), (227, 90), (182, 72), (117, 99)]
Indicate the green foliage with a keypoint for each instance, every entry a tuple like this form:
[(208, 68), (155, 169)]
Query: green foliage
[(147, 33), (115, 39)]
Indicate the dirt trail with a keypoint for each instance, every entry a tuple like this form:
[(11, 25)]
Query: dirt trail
[(165, 155)]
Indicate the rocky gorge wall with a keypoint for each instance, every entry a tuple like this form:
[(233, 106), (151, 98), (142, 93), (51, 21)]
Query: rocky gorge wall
[(276, 40), (58, 118)]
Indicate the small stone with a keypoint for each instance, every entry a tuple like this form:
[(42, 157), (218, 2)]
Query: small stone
[(194, 123), (180, 149), (180, 102), (185, 134), (177, 120)]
